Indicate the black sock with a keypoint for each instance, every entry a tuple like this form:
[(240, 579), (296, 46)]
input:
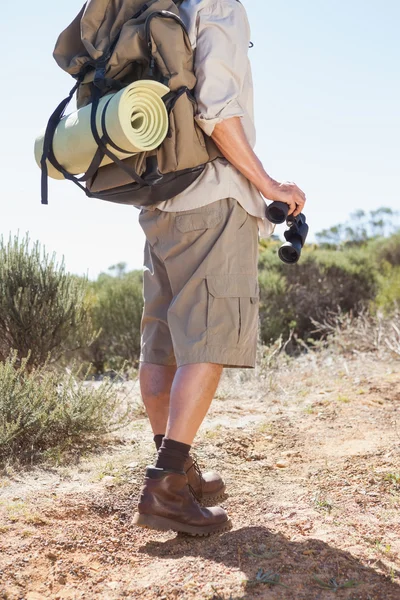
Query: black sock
[(172, 455), (158, 440)]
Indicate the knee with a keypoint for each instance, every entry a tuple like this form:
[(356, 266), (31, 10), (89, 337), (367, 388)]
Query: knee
[(156, 382), (155, 396)]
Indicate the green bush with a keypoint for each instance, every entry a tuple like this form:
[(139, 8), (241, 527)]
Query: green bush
[(292, 296), (116, 310), (39, 410), (43, 311), (388, 250), (389, 289)]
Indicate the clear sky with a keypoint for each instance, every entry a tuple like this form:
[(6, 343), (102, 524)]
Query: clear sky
[(327, 114)]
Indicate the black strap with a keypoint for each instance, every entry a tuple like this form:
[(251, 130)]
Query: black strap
[(91, 171), (101, 142), (48, 139), (94, 165), (105, 135)]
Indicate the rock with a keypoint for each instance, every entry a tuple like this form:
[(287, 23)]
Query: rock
[(62, 580), (289, 453), (282, 464), (109, 481), (132, 465), (51, 556)]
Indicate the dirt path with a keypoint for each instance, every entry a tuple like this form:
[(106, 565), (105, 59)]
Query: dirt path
[(311, 456)]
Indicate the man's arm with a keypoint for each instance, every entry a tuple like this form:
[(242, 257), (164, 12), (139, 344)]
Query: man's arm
[(231, 140), (220, 67)]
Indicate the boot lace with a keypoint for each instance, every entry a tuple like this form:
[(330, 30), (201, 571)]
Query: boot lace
[(196, 467)]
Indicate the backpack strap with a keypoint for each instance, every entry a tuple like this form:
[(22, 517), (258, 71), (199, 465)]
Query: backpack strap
[(100, 85), (49, 135)]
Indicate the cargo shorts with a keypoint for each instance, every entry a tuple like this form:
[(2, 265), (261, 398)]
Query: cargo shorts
[(200, 286)]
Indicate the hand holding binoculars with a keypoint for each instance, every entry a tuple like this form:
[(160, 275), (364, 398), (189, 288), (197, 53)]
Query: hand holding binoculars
[(295, 236)]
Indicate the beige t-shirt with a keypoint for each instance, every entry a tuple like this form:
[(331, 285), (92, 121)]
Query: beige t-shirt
[(220, 35)]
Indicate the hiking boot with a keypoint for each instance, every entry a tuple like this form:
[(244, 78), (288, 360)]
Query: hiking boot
[(166, 503), (207, 487)]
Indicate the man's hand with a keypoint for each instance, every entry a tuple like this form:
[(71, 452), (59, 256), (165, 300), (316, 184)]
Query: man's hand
[(231, 139), (287, 192)]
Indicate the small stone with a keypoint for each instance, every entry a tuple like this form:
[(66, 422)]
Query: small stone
[(109, 481), (51, 556), (62, 580), (132, 465), (281, 464)]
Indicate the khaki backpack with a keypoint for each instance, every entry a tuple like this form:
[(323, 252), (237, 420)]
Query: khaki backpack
[(110, 44)]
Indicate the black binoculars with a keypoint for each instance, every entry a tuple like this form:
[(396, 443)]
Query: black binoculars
[(295, 236)]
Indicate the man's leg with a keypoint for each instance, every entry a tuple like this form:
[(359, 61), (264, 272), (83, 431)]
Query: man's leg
[(166, 501), (192, 391), (177, 400), (155, 386), (156, 383)]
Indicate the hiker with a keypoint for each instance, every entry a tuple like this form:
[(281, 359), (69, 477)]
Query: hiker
[(201, 192), (200, 274)]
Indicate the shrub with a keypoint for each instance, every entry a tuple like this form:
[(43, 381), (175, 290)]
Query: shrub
[(40, 410), (43, 312), (389, 289), (364, 333), (116, 309), (389, 250), (323, 281)]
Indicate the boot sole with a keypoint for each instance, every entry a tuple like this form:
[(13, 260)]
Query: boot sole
[(217, 496), (162, 524), (213, 500)]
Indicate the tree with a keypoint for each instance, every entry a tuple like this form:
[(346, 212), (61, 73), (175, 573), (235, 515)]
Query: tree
[(360, 228)]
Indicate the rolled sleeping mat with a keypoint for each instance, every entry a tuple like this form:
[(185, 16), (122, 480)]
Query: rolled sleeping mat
[(135, 120)]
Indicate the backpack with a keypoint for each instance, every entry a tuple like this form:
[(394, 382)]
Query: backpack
[(109, 45)]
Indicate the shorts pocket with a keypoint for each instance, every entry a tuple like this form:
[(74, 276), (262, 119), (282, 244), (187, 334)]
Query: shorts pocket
[(232, 313), (198, 220)]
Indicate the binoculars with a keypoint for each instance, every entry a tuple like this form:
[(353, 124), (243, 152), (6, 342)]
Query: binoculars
[(295, 236)]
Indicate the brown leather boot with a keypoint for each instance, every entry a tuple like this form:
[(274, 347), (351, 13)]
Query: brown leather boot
[(166, 503), (207, 487)]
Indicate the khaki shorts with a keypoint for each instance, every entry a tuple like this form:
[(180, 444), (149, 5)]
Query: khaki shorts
[(200, 286)]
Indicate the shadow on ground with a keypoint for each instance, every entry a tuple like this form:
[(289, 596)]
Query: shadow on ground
[(297, 563)]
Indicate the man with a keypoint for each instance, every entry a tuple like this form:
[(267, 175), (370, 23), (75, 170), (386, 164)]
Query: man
[(200, 280)]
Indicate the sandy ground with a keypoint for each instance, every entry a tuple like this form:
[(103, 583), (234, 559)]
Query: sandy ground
[(310, 451)]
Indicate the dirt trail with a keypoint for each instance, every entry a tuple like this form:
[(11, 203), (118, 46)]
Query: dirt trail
[(311, 457)]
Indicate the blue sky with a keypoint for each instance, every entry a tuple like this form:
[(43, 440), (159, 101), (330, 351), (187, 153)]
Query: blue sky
[(327, 115)]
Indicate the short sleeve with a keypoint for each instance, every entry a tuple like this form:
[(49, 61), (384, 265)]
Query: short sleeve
[(221, 62)]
